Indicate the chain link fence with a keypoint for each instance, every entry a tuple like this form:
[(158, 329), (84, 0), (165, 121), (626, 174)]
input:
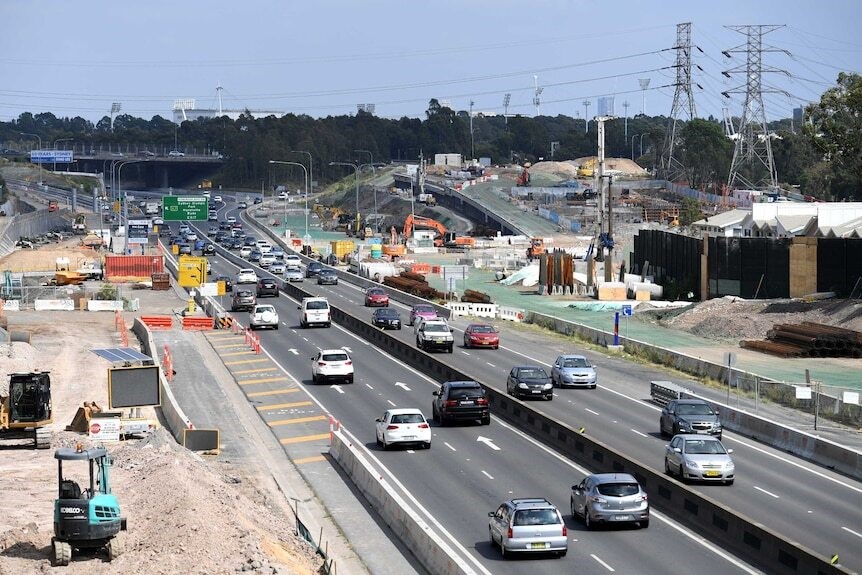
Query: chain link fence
[(79, 294)]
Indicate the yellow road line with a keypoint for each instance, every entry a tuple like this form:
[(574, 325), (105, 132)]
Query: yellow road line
[(304, 438), (229, 345), (241, 361), (261, 380), (283, 405), (312, 459), (249, 352), (297, 420), (274, 392), (255, 370)]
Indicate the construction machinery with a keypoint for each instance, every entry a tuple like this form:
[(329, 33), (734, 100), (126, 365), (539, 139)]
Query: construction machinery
[(536, 249), (427, 199), (524, 177), (26, 411), (79, 226), (587, 169), (453, 240), (413, 221), (87, 519)]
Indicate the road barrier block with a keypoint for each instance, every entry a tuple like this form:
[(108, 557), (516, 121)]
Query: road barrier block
[(158, 321), (198, 323)]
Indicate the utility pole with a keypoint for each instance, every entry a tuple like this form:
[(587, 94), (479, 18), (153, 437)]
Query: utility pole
[(683, 100), (626, 106), (605, 239), (754, 139), (472, 146), (586, 116), (644, 84)]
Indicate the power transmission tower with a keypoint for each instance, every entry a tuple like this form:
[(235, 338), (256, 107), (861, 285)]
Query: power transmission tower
[(754, 141), (683, 100), (536, 99), (586, 116), (506, 99)]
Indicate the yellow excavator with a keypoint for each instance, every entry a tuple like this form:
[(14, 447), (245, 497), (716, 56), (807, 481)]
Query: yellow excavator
[(587, 169)]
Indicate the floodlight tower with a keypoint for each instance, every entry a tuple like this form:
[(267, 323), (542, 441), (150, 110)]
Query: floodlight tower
[(506, 99), (115, 109), (683, 99), (538, 92), (586, 116), (753, 144), (644, 84)]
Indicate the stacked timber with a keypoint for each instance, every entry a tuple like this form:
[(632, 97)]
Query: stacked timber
[(473, 296), (414, 284), (808, 339)]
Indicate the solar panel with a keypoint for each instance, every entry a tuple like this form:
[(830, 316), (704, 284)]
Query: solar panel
[(121, 354)]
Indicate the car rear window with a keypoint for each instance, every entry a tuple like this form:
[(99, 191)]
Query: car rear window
[(424, 309), (464, 392), (335, 357), (535, 517), (576, 362), (618, 489), (317, 305), (408, 418)]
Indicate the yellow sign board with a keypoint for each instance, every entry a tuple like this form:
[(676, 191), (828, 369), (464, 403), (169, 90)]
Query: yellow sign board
[(116, 206), (192, 271), (221, 287)]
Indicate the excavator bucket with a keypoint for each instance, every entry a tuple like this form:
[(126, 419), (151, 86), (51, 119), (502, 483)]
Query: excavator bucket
[(81, 421)]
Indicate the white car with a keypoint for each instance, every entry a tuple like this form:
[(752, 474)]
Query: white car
[(420, 321), (406, 426), (217, 199), (266, 260), (293, 274), (331, 364), (276, 269), (245, 252), (231, 220), (315, 310), (175, 154), (191, 237), (292, 260), (263, 316), (158, 222), (246, 276), (264, 246)]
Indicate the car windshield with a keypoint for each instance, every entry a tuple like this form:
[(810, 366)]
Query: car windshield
[(293, 269), (618, 489), (530, 373), (575, 362), (385, 312), (317, 305), (243, 294), (462, 392), (424, 309), (265, 309), (335, 357), (408, 418), (535, 517), (701, 446), (436, 328), (693, 409), (482, 329), (376, 291)]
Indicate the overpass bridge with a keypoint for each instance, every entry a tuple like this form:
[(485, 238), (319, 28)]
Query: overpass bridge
[(152, 171)]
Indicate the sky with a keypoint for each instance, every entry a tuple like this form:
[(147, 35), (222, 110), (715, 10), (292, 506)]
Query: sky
[(323, 57)]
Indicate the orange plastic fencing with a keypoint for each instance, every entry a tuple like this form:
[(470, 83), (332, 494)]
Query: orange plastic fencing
[(199, 323), (421, 268), (158, 321)]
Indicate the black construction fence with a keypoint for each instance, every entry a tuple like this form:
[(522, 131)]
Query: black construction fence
[(745, 267)]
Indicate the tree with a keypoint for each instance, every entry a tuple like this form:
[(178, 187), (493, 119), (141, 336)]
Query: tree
[(705, 153)]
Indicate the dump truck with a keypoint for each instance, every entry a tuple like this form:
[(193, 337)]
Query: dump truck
[(26, 411)]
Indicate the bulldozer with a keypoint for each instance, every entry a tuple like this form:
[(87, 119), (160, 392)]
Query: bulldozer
[(87, 519), (26, 411)]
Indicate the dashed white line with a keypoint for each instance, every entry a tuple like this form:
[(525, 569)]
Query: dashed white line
[(305, 338), (486, 474), (389, 401), (602, 563), (491, 364), (368, 386), (464, 352), (765, 491), (449, 446), (639, 433), (848, 530), (410, 451), (591, 411)]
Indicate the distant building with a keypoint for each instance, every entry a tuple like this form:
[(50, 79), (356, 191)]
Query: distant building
[(186, 109), (787, 219), (606, 106), (798, 116)]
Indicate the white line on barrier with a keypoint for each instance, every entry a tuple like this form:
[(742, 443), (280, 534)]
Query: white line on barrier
[(765, 491), (602, 563), (639, 433), (848, 530)]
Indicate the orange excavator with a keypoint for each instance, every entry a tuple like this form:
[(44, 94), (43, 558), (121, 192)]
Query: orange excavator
[(419, 221)]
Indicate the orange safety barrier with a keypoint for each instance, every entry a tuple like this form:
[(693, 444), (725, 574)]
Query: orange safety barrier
[(435, 269), (200, 323), (421, 268), (158, 321)]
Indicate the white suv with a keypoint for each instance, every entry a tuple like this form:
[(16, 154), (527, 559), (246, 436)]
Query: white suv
[(435, 334), (246, 276), (331, 364), (315, 310), (263, 316)]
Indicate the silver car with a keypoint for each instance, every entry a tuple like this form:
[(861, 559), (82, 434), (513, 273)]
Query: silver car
[(610, 498), (699, 457), (531, 525), (572, 371), (293, 274)]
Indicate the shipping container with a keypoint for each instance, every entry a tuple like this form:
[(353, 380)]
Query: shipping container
[(132, 268)]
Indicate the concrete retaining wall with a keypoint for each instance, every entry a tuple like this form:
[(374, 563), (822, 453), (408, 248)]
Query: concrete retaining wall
[(434, 553), (29, 224)]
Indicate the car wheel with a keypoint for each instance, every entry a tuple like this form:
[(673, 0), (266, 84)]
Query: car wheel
[(350, 379), (549, 397), (275, 326), (486, 420), (562, 554), (451, 346), (418, 343), (443, 421), (384, 445), (466, 345), (313, 378), (377, 439), (327, 324), (496, 347), (426, 445), (644, 524), (667, 467), (398, 328), (572, 507)]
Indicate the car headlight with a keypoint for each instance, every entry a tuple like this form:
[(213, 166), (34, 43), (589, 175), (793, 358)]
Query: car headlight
[(522, 386), (692, 465), (729, 465), (547, 386)]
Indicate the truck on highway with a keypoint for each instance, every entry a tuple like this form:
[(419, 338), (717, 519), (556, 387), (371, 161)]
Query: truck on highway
[(152, 208)]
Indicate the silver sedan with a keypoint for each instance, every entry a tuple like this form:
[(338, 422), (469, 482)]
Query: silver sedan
[(573, 370), (699, 457)]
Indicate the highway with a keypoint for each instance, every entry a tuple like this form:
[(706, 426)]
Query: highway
[(470, 469)]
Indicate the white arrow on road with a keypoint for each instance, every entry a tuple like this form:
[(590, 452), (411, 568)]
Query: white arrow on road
[(293, 351), (337, 388), (488, 442), (402, 386)]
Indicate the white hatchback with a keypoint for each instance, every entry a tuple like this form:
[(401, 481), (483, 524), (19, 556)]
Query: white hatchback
[(405, 426), (331, 364), (246, 276)]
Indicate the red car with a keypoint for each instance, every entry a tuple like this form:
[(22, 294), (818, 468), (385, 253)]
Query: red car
[(481, 335), (376, 297)]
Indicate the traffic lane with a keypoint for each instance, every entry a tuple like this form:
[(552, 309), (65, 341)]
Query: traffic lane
[(469, 467)]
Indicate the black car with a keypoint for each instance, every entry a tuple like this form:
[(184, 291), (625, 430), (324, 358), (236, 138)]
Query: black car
[(235, 243), (327, 276), (267, 287), (689, 416), (462, 401), (313, 269), (386, 318), (249, 241), (529, 381), (225, 226), (209, 249), (228, 283)]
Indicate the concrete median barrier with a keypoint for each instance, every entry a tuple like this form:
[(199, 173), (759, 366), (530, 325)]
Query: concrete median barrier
[(431, 550)]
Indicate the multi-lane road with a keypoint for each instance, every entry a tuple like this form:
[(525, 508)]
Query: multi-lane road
[(471, 469)]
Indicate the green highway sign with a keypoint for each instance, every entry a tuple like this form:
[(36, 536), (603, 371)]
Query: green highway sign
[(190, 208)]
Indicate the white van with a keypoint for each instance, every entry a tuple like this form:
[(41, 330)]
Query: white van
[(315, 311)]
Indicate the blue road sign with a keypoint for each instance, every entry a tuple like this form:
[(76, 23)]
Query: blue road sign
[(627, 310)]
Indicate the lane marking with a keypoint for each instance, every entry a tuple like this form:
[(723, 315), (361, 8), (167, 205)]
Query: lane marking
[(254, 370), (273, 392), (848, 530), (602, 563), (765, 491), (303, 438), (296, 420), (591, 411), (261, 380), (449, 446), (639, 433), (491, 364), (389, 401), (486, 474), (464, 352), (368, 386), (283, 405)]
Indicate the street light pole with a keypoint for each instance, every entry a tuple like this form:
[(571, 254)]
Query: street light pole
[(376, 215), (305, 171), (55, 148), (125, 217), (310, 167)]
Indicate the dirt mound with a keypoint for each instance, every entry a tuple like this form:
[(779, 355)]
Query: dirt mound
[(624, 165), (563, 169), (44, 258)]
